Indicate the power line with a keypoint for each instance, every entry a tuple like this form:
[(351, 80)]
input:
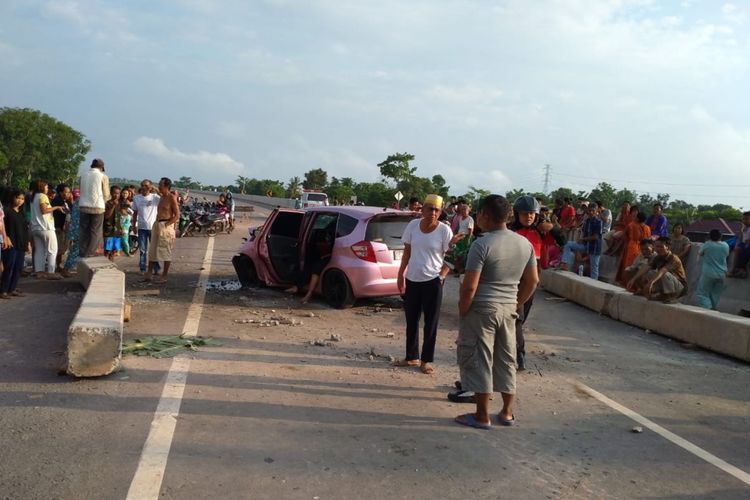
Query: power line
[(640, 191), (654, 182)]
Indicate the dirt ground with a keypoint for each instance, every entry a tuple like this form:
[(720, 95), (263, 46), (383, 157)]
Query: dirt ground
[(311, 408)]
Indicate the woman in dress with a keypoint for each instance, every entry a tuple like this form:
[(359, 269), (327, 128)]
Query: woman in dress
[(634, 233)]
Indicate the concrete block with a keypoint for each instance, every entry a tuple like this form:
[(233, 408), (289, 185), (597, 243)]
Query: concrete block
[(95, 335), (637, 311), (89, 266), (718, 332), (595, 295)]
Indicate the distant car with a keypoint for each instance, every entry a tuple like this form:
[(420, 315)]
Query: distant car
[(365, 259), (313, 199)]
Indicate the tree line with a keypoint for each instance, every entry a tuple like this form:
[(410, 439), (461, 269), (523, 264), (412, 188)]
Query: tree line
[(34, 145)]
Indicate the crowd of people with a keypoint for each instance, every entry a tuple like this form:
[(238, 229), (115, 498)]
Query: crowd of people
[(501, 270), (59, 225)]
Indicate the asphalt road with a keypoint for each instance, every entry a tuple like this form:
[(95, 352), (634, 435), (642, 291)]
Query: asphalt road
[(268, 415)]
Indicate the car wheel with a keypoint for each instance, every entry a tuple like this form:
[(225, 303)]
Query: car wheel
[(245, 269), (337, 290)]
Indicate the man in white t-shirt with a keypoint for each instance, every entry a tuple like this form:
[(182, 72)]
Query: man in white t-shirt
[(420, 280), (145, 205)]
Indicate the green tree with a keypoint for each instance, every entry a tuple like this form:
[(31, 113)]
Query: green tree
[(438, 181), (36, 145), (293, 187), (623, 195), (562, 192), (242, 183), (316, 178), (514, 194), (605, 193), (396, 167), (416, 186), (375, 194), (475, 194)]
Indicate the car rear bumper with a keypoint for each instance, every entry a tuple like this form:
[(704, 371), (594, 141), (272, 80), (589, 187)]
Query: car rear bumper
[(369, 281)]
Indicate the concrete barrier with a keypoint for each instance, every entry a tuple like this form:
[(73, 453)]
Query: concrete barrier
[(719, 332), (89, 266), (95, 335)]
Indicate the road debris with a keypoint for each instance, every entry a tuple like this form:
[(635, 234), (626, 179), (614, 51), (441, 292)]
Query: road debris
[(167, 346)]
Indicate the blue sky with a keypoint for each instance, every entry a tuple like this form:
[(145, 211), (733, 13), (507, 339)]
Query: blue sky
[(643, 94)]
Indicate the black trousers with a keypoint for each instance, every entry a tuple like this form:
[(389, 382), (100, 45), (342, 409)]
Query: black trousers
[(90, 233), (422, 297), (520, 341)]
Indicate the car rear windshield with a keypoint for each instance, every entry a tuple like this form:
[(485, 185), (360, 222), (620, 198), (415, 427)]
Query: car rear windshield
[(388, 230), (317, 197)]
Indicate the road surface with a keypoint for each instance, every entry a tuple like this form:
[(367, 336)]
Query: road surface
[(268, 415)]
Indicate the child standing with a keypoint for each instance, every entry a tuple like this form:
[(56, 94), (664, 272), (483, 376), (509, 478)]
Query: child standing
[(126, 218), (112, 224)]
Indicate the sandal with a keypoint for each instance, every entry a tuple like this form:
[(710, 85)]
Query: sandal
[(17, 293), (406, 362), (427, 368)]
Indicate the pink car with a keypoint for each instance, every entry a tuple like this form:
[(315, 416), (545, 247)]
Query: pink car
[(365, 255)]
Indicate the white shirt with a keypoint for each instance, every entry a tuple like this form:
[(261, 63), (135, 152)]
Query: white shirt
[(466, 226), (147, 207), (41, 221), (427, 250)]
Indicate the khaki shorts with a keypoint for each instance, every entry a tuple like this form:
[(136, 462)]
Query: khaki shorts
[(487, 348), (162, 242)]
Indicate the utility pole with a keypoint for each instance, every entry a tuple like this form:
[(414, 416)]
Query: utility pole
[(546, 178)]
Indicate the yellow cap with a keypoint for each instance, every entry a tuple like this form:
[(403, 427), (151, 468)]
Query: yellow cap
[(435, 200)]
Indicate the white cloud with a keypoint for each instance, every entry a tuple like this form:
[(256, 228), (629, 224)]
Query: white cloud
[(263, 66), (232, 129), (466, 94), (64, 9), (205, 162)]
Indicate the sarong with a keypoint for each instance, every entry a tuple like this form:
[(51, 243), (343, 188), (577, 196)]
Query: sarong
[(162, 242)]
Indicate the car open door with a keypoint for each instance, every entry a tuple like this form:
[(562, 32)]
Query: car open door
[(278, 244)]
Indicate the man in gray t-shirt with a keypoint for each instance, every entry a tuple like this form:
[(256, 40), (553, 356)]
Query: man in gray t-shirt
[(501, 274)]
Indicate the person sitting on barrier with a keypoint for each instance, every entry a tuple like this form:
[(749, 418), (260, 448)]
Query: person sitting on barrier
[(658, 222), (713, 255), (642, 261), (634, 233), (681, 244), (590, 243), (616, 237), (665, 278), (742, 249)]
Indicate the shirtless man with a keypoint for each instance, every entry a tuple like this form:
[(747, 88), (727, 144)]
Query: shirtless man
[(163, 232)]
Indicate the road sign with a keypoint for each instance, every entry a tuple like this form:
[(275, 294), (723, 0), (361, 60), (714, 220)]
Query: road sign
[(398, 196)]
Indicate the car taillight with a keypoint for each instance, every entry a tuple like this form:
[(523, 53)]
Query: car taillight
[(364, 251)]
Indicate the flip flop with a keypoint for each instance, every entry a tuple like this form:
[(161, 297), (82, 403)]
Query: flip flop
[(505, 422), (461, 396), (470, 420), (427, 368)]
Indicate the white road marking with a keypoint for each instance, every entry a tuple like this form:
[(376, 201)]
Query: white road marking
[(150, 472), (670, 436)]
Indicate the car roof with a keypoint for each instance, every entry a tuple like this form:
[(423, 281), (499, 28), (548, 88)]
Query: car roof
[(358, 212)]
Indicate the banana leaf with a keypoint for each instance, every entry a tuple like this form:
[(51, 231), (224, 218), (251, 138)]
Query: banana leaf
[(167, 346)]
